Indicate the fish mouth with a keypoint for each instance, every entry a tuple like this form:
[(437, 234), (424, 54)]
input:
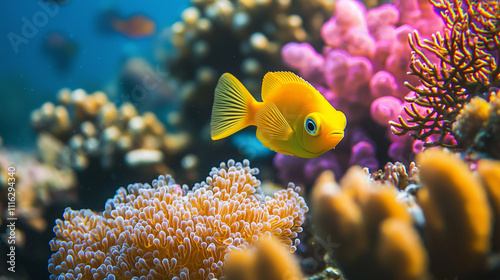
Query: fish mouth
[(336, 134)]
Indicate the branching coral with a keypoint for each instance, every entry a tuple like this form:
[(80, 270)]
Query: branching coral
[(164, 231), (467, 54)]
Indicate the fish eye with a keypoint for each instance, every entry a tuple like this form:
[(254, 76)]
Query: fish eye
[(311, 127)]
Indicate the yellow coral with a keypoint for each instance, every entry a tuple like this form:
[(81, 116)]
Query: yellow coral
[(338, 217), (470, 120), (366, 227), (269, 261), (457, 215), (392, 252), (162, 232), (490, 175)]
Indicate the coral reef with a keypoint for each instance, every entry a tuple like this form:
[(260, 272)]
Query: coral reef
[(361, 71), (39, 183), (467, 66), (164, 230), (371, 227), (32, 186), (489, 171), (95, 129), (477, 126), (396, 174), (368, 227)]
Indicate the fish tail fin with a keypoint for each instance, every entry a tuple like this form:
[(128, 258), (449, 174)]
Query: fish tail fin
[(233, 107)]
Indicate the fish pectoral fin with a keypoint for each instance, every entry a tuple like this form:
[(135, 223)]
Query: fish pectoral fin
[(272, 123)]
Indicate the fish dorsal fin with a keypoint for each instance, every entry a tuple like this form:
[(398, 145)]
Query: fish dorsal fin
[(274, 80), (272, 123)]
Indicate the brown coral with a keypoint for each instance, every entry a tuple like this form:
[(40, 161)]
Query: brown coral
[(468, 66), (164, 231)]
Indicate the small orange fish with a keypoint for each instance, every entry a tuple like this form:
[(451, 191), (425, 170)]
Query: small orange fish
[(135, 27), (293, 119)]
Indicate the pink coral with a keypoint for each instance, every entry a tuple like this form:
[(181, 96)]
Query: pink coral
[(365, 60), (385, 109), (382, 84), (348, 14), (302, 56)]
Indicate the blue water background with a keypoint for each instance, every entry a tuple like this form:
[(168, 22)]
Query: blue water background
[(29, 77)]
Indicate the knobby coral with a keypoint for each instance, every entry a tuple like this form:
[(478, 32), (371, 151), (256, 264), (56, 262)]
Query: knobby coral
[(93, 128), (396, 174), (458, 229), (368, 227), (268, 261), (164, 231), (467, 65)]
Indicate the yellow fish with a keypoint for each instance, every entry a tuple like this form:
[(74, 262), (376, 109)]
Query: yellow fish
[(293, 119)]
